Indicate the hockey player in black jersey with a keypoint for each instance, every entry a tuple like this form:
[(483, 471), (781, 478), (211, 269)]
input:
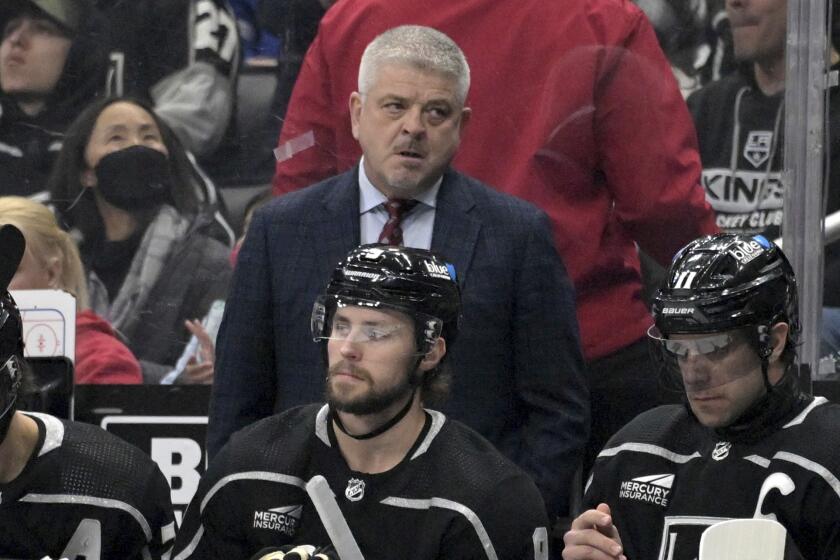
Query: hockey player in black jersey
[(68, 490), (408, 482), (747, 443)]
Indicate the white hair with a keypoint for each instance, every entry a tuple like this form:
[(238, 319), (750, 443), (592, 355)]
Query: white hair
[(418, 46)]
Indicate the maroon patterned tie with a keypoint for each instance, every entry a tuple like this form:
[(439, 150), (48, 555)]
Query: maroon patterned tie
[(392, 231)]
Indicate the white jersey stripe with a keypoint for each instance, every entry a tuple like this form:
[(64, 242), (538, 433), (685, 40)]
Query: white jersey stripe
[(437, 423), (167, 532), (650, 449), (438, 420), (13, 151), (251, 475), (443, 503), (92, 501), (54, 432), (811, 466), (758, 460), (321, 425), (801, 416)]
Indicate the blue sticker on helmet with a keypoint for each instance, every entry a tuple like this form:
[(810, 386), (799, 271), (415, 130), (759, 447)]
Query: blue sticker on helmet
[(451, 268), (762, 241)]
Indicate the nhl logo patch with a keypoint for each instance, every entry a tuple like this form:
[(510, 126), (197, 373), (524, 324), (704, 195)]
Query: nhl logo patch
[(721, 450), (757, 148), (355, 490)]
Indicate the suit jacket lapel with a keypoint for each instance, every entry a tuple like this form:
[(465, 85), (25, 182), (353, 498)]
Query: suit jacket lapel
[(456, 230), (340, 226)]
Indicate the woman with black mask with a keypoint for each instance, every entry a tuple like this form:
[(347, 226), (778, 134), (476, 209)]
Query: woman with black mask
[(122, 183)]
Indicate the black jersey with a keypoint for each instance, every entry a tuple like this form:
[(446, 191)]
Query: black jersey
[(85, 494), (739, 133), (453, 496), (153, 39), (667, 478), (183, 55), (740, 136)]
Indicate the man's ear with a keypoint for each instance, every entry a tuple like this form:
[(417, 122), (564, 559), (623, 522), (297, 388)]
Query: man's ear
[(434, 355), (778, 340), (466, 113), (355, 103)]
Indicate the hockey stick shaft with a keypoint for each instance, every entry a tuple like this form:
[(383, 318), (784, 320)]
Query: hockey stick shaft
[(336, 526)]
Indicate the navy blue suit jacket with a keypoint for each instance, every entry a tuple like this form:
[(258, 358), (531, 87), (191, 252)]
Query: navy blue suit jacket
[(517, 364)]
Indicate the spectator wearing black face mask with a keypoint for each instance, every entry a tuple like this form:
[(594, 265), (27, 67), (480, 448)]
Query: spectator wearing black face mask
[(51, 67), (122, 183)]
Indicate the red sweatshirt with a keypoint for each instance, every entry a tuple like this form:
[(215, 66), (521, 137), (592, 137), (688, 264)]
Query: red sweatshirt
[(101, 357)]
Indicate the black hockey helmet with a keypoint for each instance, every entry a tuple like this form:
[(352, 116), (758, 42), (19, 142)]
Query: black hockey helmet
[(416, 282), (730, 287), (726, 281), (12, 245), (11, 352)]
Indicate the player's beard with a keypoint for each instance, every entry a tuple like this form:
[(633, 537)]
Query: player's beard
[(374, 400)]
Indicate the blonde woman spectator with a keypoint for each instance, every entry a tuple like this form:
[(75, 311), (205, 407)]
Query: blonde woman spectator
[(51, 261)]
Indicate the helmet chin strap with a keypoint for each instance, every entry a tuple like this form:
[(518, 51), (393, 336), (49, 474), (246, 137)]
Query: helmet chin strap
[(763, 416), (765, 366), (764, 351), (414, 382), (381, 429)]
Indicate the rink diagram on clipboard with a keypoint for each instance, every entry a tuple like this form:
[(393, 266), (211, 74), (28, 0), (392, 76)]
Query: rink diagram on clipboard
[(49, 322)]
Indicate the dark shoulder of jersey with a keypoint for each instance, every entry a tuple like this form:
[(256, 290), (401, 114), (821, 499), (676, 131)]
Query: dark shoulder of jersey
[(465, 471), (264, 463), (668, 421), (85, 494), (667, 478), (461, 498)]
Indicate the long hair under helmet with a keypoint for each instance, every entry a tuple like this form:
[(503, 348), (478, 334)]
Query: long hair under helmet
[(415, 282)]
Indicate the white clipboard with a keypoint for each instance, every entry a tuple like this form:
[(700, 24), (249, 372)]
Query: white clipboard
[(49, 322)]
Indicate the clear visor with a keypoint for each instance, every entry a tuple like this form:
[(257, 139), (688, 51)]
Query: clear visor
[(697, 363), (328, 323)]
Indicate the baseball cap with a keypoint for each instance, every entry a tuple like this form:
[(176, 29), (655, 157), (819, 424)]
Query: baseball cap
[(67, 13)]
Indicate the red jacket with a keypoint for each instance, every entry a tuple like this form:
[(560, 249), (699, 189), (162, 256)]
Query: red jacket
[(574, 108), (100, 357)]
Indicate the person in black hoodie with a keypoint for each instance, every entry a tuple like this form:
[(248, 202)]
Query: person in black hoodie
[(52, 64), (740, 125)]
